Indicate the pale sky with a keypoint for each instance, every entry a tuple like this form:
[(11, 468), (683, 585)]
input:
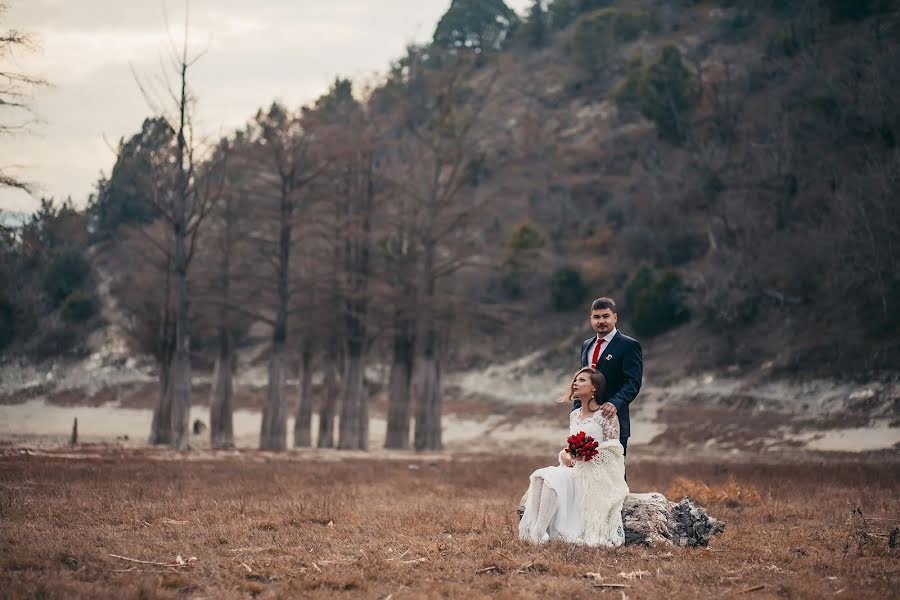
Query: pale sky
[(255, 52)]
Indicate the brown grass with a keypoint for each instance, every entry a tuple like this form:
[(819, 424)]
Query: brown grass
[(731, 494), (333, 524)]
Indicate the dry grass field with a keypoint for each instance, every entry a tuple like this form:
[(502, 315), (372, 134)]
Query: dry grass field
[(331, 524)]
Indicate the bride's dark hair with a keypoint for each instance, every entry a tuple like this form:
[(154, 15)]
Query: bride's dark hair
[(596, 378)]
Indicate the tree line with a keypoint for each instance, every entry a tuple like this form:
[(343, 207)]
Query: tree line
[(380, 227)]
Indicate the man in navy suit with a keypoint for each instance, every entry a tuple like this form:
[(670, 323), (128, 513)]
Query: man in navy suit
[(618, 357)]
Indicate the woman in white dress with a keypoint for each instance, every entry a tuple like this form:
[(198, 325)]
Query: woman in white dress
[(580, 501)]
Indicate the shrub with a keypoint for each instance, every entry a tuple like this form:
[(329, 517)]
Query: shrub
[(597, 34), (65, 273), (567, 290), (526, 236), (77, 308), (512, 284), (655, 303), (665, 91), (789, 41), (7, 321), (564, 12), (855, 10), (55, 340), (685, 246)]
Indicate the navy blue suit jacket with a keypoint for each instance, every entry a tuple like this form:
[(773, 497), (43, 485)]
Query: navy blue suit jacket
[(622, 365)]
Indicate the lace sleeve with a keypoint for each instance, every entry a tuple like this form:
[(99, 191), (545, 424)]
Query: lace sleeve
[(610, 426)]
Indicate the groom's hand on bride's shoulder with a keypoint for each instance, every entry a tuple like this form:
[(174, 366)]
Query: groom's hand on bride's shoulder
[(608, 409)]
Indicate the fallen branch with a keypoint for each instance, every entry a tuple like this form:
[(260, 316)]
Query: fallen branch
[(149, 562), (405, 552), (755, 588), (505, 556), (486, 569)]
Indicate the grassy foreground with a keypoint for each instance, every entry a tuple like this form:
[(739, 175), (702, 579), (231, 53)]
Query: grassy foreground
[(331, 524)]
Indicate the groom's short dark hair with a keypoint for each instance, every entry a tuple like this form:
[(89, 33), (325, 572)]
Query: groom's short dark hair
[(604, 302)]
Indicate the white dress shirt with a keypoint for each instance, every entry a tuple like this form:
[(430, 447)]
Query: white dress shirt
[(605, 341)]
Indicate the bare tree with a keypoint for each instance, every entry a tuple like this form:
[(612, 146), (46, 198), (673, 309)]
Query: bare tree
[(359, 204), (286, 151), (183, 209), (431, 163), (303, 418), (15, 93), (225, 232)]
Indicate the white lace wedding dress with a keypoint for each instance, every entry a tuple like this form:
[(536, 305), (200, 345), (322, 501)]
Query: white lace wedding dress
[(580, 504)]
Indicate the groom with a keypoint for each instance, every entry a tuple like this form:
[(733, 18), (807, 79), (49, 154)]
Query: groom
[(618, 357)]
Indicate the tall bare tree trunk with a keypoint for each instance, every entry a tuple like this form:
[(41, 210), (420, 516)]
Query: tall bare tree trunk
[(428, 413), (181, 402), (400, 379), (161, 426), (221, 425), (303, 420), (353, 424), (354, 428), (328, 399), (274, 426), (221, 422), (427, 435)]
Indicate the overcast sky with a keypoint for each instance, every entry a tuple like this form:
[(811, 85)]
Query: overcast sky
[(255, 52)]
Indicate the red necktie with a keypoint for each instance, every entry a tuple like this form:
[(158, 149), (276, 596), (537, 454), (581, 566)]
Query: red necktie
[(596, 356)]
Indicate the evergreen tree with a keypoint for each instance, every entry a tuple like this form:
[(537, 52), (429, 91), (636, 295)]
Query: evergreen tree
[(475, 24), (124, 197), (536, 25)]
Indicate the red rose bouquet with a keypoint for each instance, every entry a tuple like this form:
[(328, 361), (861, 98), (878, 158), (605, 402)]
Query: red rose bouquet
[(583, 446)]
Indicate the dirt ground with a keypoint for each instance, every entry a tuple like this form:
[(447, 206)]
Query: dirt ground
[(350, 525)]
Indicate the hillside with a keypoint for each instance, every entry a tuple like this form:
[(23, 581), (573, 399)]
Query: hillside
[(771, 203)]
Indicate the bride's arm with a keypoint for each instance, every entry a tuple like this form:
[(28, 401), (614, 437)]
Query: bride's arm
[(610, 426)]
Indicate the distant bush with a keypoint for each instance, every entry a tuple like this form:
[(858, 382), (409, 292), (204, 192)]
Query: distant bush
[(526, 236), (828, 105), (564, 12), (729, 309), (685, 246), (77, 308), (737, 27), (523, 258), (55, 340), (655, 304), (665, 91), (855, 10), (65, 273), (597, 34), (7, 321), (789, 41), (567, 290), (616, 216)]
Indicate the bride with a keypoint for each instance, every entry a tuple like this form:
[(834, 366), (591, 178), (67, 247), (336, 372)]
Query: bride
[(580, 501)]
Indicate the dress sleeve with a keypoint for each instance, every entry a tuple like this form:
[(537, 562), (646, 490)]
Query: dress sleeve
[(610, 426)]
